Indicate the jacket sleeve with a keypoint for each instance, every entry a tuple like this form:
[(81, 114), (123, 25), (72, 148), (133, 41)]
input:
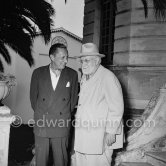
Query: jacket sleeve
[(114, 99), (34, 89), (74, 91)]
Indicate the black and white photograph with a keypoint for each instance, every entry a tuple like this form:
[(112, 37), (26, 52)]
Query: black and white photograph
[(83, 83)]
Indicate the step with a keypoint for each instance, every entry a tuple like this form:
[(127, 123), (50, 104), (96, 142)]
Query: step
[(135, 164), (156, 158)]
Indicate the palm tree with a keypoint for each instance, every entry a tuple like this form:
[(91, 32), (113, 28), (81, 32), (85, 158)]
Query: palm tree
[(18, 22), (159, 8)]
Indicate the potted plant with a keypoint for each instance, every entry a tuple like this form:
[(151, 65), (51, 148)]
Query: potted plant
[(6, 82)]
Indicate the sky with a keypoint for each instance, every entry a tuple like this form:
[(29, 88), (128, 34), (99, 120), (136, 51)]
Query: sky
[(69, 15)]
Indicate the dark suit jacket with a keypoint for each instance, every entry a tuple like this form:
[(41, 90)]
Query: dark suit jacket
[(52, 109)]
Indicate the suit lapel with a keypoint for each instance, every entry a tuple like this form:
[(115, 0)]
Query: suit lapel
[(60, 85), (47, 80)]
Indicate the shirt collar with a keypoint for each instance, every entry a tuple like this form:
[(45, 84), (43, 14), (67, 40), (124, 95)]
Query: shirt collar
[(56, 72)]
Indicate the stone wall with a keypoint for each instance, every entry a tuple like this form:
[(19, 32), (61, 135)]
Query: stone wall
[(139, 52)]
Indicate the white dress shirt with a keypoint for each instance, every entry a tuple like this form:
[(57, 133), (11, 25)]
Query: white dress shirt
[(54, 78)]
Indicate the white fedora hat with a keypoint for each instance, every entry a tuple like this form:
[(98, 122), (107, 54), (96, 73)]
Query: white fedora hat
[(90, 49)]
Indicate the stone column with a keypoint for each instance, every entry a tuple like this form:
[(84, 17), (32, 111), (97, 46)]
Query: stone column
[(5, 120), (139, 52)]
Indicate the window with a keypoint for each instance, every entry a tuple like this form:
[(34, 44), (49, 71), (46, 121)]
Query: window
[(107, 30), (59, 39)]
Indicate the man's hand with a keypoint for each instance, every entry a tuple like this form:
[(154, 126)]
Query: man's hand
[(109, 139)]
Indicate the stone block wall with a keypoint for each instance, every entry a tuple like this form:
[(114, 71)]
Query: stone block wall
[(139, 51)]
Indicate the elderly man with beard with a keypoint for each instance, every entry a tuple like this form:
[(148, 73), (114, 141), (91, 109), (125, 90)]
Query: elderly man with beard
[(98, 123)]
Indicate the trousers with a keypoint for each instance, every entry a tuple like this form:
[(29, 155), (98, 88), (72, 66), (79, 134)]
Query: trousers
[(59, 150)]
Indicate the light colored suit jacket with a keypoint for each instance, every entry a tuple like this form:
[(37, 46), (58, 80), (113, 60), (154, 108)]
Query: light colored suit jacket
[(100, 109)]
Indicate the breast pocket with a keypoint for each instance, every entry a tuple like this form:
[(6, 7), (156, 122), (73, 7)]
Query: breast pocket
[(66, 91)]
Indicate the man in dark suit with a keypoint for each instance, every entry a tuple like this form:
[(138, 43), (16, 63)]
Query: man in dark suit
[(53, 96)]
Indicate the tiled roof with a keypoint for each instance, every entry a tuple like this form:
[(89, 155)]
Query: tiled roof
[(61, 29)]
